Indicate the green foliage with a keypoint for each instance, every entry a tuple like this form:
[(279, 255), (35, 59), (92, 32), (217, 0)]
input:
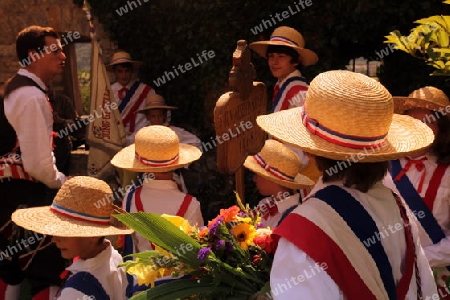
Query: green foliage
[(428, 41)]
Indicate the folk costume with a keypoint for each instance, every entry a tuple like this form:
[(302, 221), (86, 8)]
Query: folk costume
[(425, 187), (156, 149), (280, 165), (342, 243), (130, 98), (80, 210), (28, 178), (290, 92)]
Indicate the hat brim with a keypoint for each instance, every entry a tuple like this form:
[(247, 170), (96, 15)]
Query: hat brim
[(42, 220), (155, 107), (406, 136), (308, 57), (135, 63), (299, 182), (126, 159), (402, 104)]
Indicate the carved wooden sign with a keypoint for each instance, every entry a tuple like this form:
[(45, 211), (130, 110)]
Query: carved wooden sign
[(237, 133)]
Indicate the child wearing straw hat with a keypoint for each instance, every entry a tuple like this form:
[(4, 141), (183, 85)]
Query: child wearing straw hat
[(423, 179), (351, 238), (157, 112), (79, 219), (285, 51), (129, 94), (277, 175), (157, 152)]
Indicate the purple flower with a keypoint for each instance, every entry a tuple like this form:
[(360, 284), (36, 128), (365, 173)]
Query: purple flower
[(213, 230), (203, 253), (220, 244)]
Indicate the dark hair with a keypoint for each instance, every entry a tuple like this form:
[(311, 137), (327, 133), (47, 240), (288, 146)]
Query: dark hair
[(441, 144), (295, 58), (361, 176), (127, 65), (32, 38), (101, 240)]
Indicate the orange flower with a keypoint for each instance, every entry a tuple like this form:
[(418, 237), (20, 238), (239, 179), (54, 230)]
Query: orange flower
[(229, 214), (244, 234), (203, 232)]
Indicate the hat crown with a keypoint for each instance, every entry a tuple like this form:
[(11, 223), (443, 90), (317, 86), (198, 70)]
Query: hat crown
[(278, 156), (157, 143), (290, 34), (87, 196), (120, 56), (154, 100), (366, 112), (432, 94)]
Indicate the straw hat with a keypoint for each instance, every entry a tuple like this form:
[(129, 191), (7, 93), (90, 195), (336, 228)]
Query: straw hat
[(427, 97), (156, 149), (289, 37), (348, 116), (122, 57), (81, 208), (155, 101), (278, 164)]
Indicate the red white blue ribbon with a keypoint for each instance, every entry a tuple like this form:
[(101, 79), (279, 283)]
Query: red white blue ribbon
[(274, 171), (76, 215), (337, 138), (283, 39), (157, 163)]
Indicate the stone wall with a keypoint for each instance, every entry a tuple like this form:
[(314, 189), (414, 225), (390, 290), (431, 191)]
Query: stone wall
[(62, 15)]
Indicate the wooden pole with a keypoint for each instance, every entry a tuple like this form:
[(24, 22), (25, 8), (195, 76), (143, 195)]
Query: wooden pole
[(239, 182)]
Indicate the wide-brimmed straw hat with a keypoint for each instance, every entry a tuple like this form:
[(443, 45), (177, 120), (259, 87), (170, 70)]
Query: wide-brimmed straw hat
[(83, 207), (122, 57), (427, 97), (348, 116), (156, 149), (278, 164), (289, 37), (155, 101)]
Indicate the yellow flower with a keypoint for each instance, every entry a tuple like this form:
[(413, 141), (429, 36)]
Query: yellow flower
[(244, 234), (180, 222), (145, 274)]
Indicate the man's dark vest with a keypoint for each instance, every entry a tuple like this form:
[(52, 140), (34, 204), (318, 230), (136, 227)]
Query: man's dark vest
[(8, 135)]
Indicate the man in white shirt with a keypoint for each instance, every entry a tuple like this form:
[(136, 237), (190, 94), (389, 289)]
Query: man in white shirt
[(28, 174)]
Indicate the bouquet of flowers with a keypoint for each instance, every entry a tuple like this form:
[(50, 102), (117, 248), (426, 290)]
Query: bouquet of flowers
[(228, 259)]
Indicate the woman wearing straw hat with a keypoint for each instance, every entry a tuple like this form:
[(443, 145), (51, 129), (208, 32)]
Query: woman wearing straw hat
[(157, 152), (79, 219), (423, 180), (351, 238), (129, 94), (277, 175)]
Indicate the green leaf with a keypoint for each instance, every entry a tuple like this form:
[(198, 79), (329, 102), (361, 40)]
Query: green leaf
[(164, 234)]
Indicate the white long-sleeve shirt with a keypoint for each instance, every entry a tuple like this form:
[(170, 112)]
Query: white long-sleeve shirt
[(30, 114), (141, 120), (291, 262), (105, 268), (162, 197), (438, 255)]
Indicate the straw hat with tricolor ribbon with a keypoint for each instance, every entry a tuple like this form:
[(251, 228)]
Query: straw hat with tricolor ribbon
[(427, 97), (348, 116), (156, 149), (279, 164), (83, 207), (289, 37)]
